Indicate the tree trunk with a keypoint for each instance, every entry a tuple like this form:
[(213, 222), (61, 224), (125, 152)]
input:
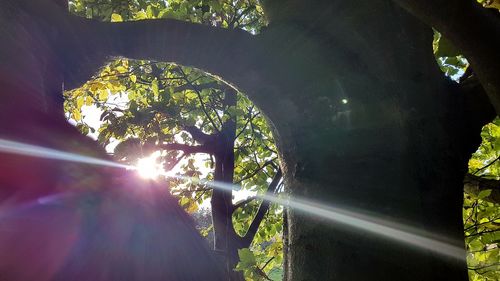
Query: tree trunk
[(285, 245), (227, 241), (365, 121)]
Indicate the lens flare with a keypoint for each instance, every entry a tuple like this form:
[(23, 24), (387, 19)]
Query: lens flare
[(359, 220), (14, 147), (149, 168)]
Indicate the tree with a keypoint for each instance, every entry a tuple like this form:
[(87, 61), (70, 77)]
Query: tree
[(182, 112), (361, 114), (181, 115), (481, 207)]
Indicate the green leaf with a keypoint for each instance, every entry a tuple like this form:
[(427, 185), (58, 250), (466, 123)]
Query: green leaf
[(154, 87), (76, 115), (149, 12), (88, 101), (103, 95), (121, 69), (247, 257), (141, 15), (484, 193), (184, 201), (79, 102), (116, 18)]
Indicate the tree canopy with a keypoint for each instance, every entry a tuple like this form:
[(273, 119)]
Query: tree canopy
[(366, 127), (150, 106), (178, 111)]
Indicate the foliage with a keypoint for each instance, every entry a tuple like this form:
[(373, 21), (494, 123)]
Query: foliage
[(146, 106), (255, 263), (482, 232), (481, 215), (493, 4), (485, 161), (448, 57), (244, 14)]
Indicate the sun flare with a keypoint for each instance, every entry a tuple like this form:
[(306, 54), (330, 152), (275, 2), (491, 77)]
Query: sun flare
[(149, 167)]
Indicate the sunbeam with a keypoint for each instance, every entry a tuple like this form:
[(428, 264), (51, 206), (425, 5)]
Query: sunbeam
[(14, 147), (372, 224), (394, 231)]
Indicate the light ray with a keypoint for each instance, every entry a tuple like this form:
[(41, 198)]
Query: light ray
[(373, 224), (394, 231), (14, 147)]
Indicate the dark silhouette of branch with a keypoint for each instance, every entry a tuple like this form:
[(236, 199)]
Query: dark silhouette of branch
[(483, 223), (237, 17), (244, 202), (256, 171), (474, 184), (485, 266), (482, 232), (264, 207), (263, 274), (198, 135), (486, 166), (250, 119), (478, 108), (484, 250), (170, 166), (264, 266), (209, 85), (187, 149), (473, 37), (198, 94), (228, 53)]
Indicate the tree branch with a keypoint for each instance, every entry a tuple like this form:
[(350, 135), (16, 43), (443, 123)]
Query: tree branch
[(264, 207), (475, 36), (243, 202), (487, 165), (250, 119), (474, 184), (198, 135), (478, 108), (268, 261), (270, 162), (200, 99), (222, 52), (492, 220), (485, 266), (209, 85), (187, 149), (483, 232)]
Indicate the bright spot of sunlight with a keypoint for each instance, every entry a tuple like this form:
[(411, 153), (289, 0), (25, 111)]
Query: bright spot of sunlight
[(149, 167), (345, 101)]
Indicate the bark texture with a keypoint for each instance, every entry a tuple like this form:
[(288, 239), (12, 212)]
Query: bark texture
[(396, 150)]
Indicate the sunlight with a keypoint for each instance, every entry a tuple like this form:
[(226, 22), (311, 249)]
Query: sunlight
[(149, 167), (13, 147), (357, 219)]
